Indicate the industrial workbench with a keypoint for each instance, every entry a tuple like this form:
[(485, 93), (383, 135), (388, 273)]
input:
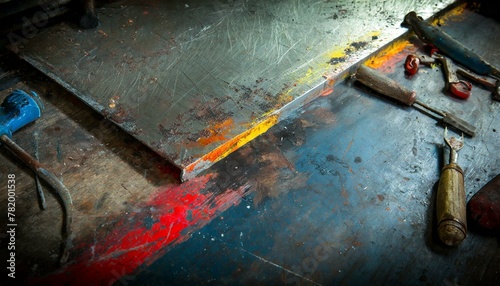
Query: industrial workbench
[(340, 191)]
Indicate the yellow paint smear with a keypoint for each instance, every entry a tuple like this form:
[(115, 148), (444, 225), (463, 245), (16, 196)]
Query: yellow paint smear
[(236, 142), (317, 71), (375, 34), (338, 53), (452, 13)]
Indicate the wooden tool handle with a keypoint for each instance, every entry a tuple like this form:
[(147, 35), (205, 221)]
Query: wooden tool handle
[(384, 85), (450, 204)]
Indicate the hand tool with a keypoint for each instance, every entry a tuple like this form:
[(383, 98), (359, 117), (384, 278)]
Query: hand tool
[(449, 46), (17, 110), (39, 190), (459, 88), (450, 200), (492, 84), (484, 207), (388, 87)]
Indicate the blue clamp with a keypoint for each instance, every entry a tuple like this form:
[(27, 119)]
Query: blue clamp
[(18, 110)]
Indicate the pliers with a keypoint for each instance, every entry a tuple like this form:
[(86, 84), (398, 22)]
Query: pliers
[(460, 88)]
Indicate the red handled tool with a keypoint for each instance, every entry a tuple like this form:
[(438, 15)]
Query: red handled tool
[(460, 88)]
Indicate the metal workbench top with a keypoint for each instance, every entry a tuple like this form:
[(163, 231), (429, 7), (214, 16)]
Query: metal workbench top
[(341, 192), (195, 80)]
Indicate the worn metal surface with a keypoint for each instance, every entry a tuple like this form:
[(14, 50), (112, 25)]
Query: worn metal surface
[(343, 192), (359, 203), (196, 80)]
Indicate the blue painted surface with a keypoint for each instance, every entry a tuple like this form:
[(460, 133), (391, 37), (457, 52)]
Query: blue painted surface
[(364, 216)]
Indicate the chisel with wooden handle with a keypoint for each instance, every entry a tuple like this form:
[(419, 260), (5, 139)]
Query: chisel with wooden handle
[(390, 88)]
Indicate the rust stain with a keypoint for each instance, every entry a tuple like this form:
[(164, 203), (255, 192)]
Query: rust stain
[(279, 177), (349, 147), (344, 193), (323, 116), (283, 98), (217, 132), (357, 243), (279, 159)]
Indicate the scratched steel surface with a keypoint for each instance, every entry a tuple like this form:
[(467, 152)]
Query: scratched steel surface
[(195, 80), (350, 196)]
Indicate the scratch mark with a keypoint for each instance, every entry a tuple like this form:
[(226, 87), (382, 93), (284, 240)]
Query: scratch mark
[(170, 229), (280, 267), (350, 145), (288, 51)]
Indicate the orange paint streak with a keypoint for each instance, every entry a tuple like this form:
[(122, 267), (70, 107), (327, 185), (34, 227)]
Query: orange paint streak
[(236, 142), (388, 58), (326, 92), (218, 132)]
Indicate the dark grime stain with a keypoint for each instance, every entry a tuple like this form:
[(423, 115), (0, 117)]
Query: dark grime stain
[(189, 215), (101, 201), (59, 150), (336, 60), (148, 222), (331, 158), (358, 45), (354, 46), (358, 160)]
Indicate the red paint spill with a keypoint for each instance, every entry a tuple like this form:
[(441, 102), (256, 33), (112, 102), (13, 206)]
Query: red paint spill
[(141, 239)]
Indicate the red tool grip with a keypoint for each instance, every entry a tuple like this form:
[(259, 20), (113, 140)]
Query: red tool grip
[(411, 64), (461, 89)]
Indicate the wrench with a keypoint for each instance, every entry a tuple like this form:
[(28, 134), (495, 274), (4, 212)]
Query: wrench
[(460, 88), (457, 87)]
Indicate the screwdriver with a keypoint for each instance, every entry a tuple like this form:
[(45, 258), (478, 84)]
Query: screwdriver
[(388, 87), (450, 199)]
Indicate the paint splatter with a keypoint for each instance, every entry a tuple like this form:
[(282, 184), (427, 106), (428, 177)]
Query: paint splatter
[(173, 212), (217, 132), (386, 60), (235, 143)]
